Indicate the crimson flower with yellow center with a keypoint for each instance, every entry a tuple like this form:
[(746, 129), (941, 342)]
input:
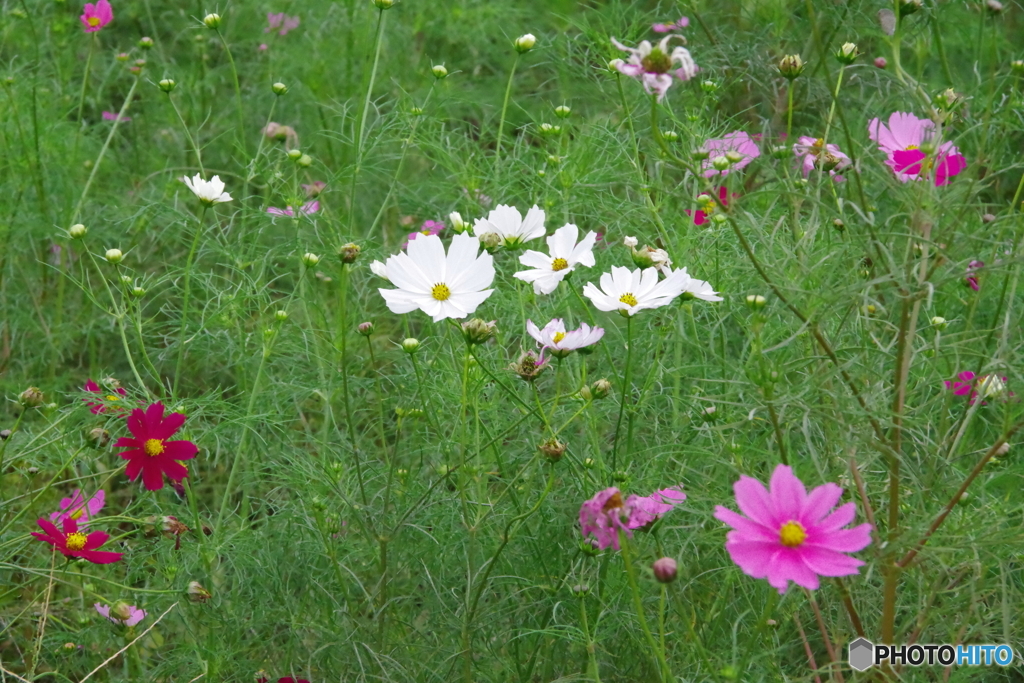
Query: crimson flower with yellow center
[(73, 543), (149, 452)]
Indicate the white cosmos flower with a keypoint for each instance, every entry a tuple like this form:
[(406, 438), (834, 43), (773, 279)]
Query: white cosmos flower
[(548, 271), (632, 291), (561, 343), (697, 289), (209, 191), (380, 270), (440, 285), (508, 224)]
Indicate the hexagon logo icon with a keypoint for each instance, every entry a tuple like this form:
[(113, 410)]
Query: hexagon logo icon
[(862, 654)]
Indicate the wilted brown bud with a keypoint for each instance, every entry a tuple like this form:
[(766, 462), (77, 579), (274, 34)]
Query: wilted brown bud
[(600, 388), (349, 252), (32, 397), (196, 593), (98, 437), (553, 449), (477, 331), (529, 366)]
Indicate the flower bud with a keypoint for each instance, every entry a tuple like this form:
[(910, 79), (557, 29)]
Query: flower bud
[(700, 154), (709, 413), (114, 256), (839, 225), (196, 592), (212, 21), (97, 437), (733, 156), (994, 6), (791, 66), (782, 151), (349, 252), (77, 231), (281, 316), (721, 163), (1002, 450), (630, 241), (458, 225), (384, 4), (664, 569), (439, 71), (525, 43), (490, 241), (848, 53), (756, 301), (138, 292), (123, 57), (580, 589), (939, 323), (948, 99), (121, 610), (881, 63), (295, 154), (411, 345), (705, 202), (909, 6), (1017, 65), (365, 329), (31, 398), (601, 388), (5, 434), (562, 111), (476, 331), (310, 259), (709, 86), (279, 88), (167, 84), (988, 218), (670, 135), (305, 161), (553, 449), (145, 43)]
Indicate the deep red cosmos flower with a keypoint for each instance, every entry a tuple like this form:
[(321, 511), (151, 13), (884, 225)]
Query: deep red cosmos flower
[(94, 388), (74, 543), (700, 217), (149, 452)]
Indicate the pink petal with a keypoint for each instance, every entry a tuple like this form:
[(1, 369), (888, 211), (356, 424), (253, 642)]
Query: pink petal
[(747, 529), (753, 500), (787, 493), (826, 562), (822, 499)]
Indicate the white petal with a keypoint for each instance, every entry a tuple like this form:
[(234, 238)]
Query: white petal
[(399, 301), (534, 331), (533, 225), (469, 301), (427, 252), (535, 259), (563, 240), (584, 251), (405, 274)]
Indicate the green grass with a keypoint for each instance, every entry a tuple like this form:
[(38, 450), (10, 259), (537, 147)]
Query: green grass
[(381, 516)]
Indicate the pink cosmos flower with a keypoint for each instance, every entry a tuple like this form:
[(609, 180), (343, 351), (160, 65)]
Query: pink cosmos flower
[(813, 155), (315, 188), (736, 141), (700, 216), (263, 47), (280, 21), (78, 509), (97, 408), (970, 385), (971, 279), (790, 535), (553, 337), (97, 16), (428, 228), (127, 615), (901, 140), (606, 514), (668, 28), (652, 65), (111, 116), (307, 208)]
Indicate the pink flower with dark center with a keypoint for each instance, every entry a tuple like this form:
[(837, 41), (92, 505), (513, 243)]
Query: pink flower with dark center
[(736, 143), (97, 16), (606, 514), (111, 116), (281, 21), (79, 509), (987, 386), (97, 408), (668, 28), (653, 65), (971, 278), (790, 535), (830, 158), (428, 228), (700, 216), (121, 614), (307, 208), (901, 141)]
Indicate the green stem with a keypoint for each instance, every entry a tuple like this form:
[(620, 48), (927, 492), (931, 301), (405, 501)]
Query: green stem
[(592, 668), (665, 670), (342, 346), (188, 134), (362, 123), (185, 300), (504, 108), (625, 389), (85, 79), (3, 445), (789, 112)]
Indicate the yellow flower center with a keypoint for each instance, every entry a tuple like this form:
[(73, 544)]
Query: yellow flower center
[(628, 299), (559, 264), (911, 148), (559, 336), (94, 21), (76, 541), (441, 292), (792, 534), (113, 398), (153, 447), (77, 514), (425, 232)]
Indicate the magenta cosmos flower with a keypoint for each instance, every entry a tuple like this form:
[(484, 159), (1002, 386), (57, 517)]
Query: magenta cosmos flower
[(701, 216), (790, 535), (606, 514), (111, 116), (73, 543), (97, 408), (79, 509), (654, 65), (987, 386), (901, 140), (121, 614), (97, 16), (736, 143), (971, 278), (829, 158), (668, 28), (428, 228), (307, 208), (149, 452)]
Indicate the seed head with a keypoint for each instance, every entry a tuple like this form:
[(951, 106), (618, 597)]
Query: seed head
[(525, 43), (553, 449), (114, 256), (32, 397), (529, 366), (477, 331)]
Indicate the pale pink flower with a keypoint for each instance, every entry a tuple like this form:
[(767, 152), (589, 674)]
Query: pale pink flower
[(790, 535), (126, 615), (553, 337), (646, 510), (668, 28), (79, 509), (810, 149), (97, 16), (429, 227), (280, 21), (111, 116), (653, 65), (737, 142), (901, 141), (606, 514), (307, 208)]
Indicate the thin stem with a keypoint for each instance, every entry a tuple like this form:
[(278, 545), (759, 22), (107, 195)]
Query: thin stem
[(341, 344), (186, 300), (85, 78), (664, 669), (625, 388), (824, 635), (789, 111), (188, 134), (504, 108), (592, 668), (360, 134)]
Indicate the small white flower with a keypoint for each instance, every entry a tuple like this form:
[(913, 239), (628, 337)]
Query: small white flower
[(380, 270), (561, 343), (692, 287), (441, 285), (510, 226), (548, 271), (209, 191), (630, 242), (632, 291)]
